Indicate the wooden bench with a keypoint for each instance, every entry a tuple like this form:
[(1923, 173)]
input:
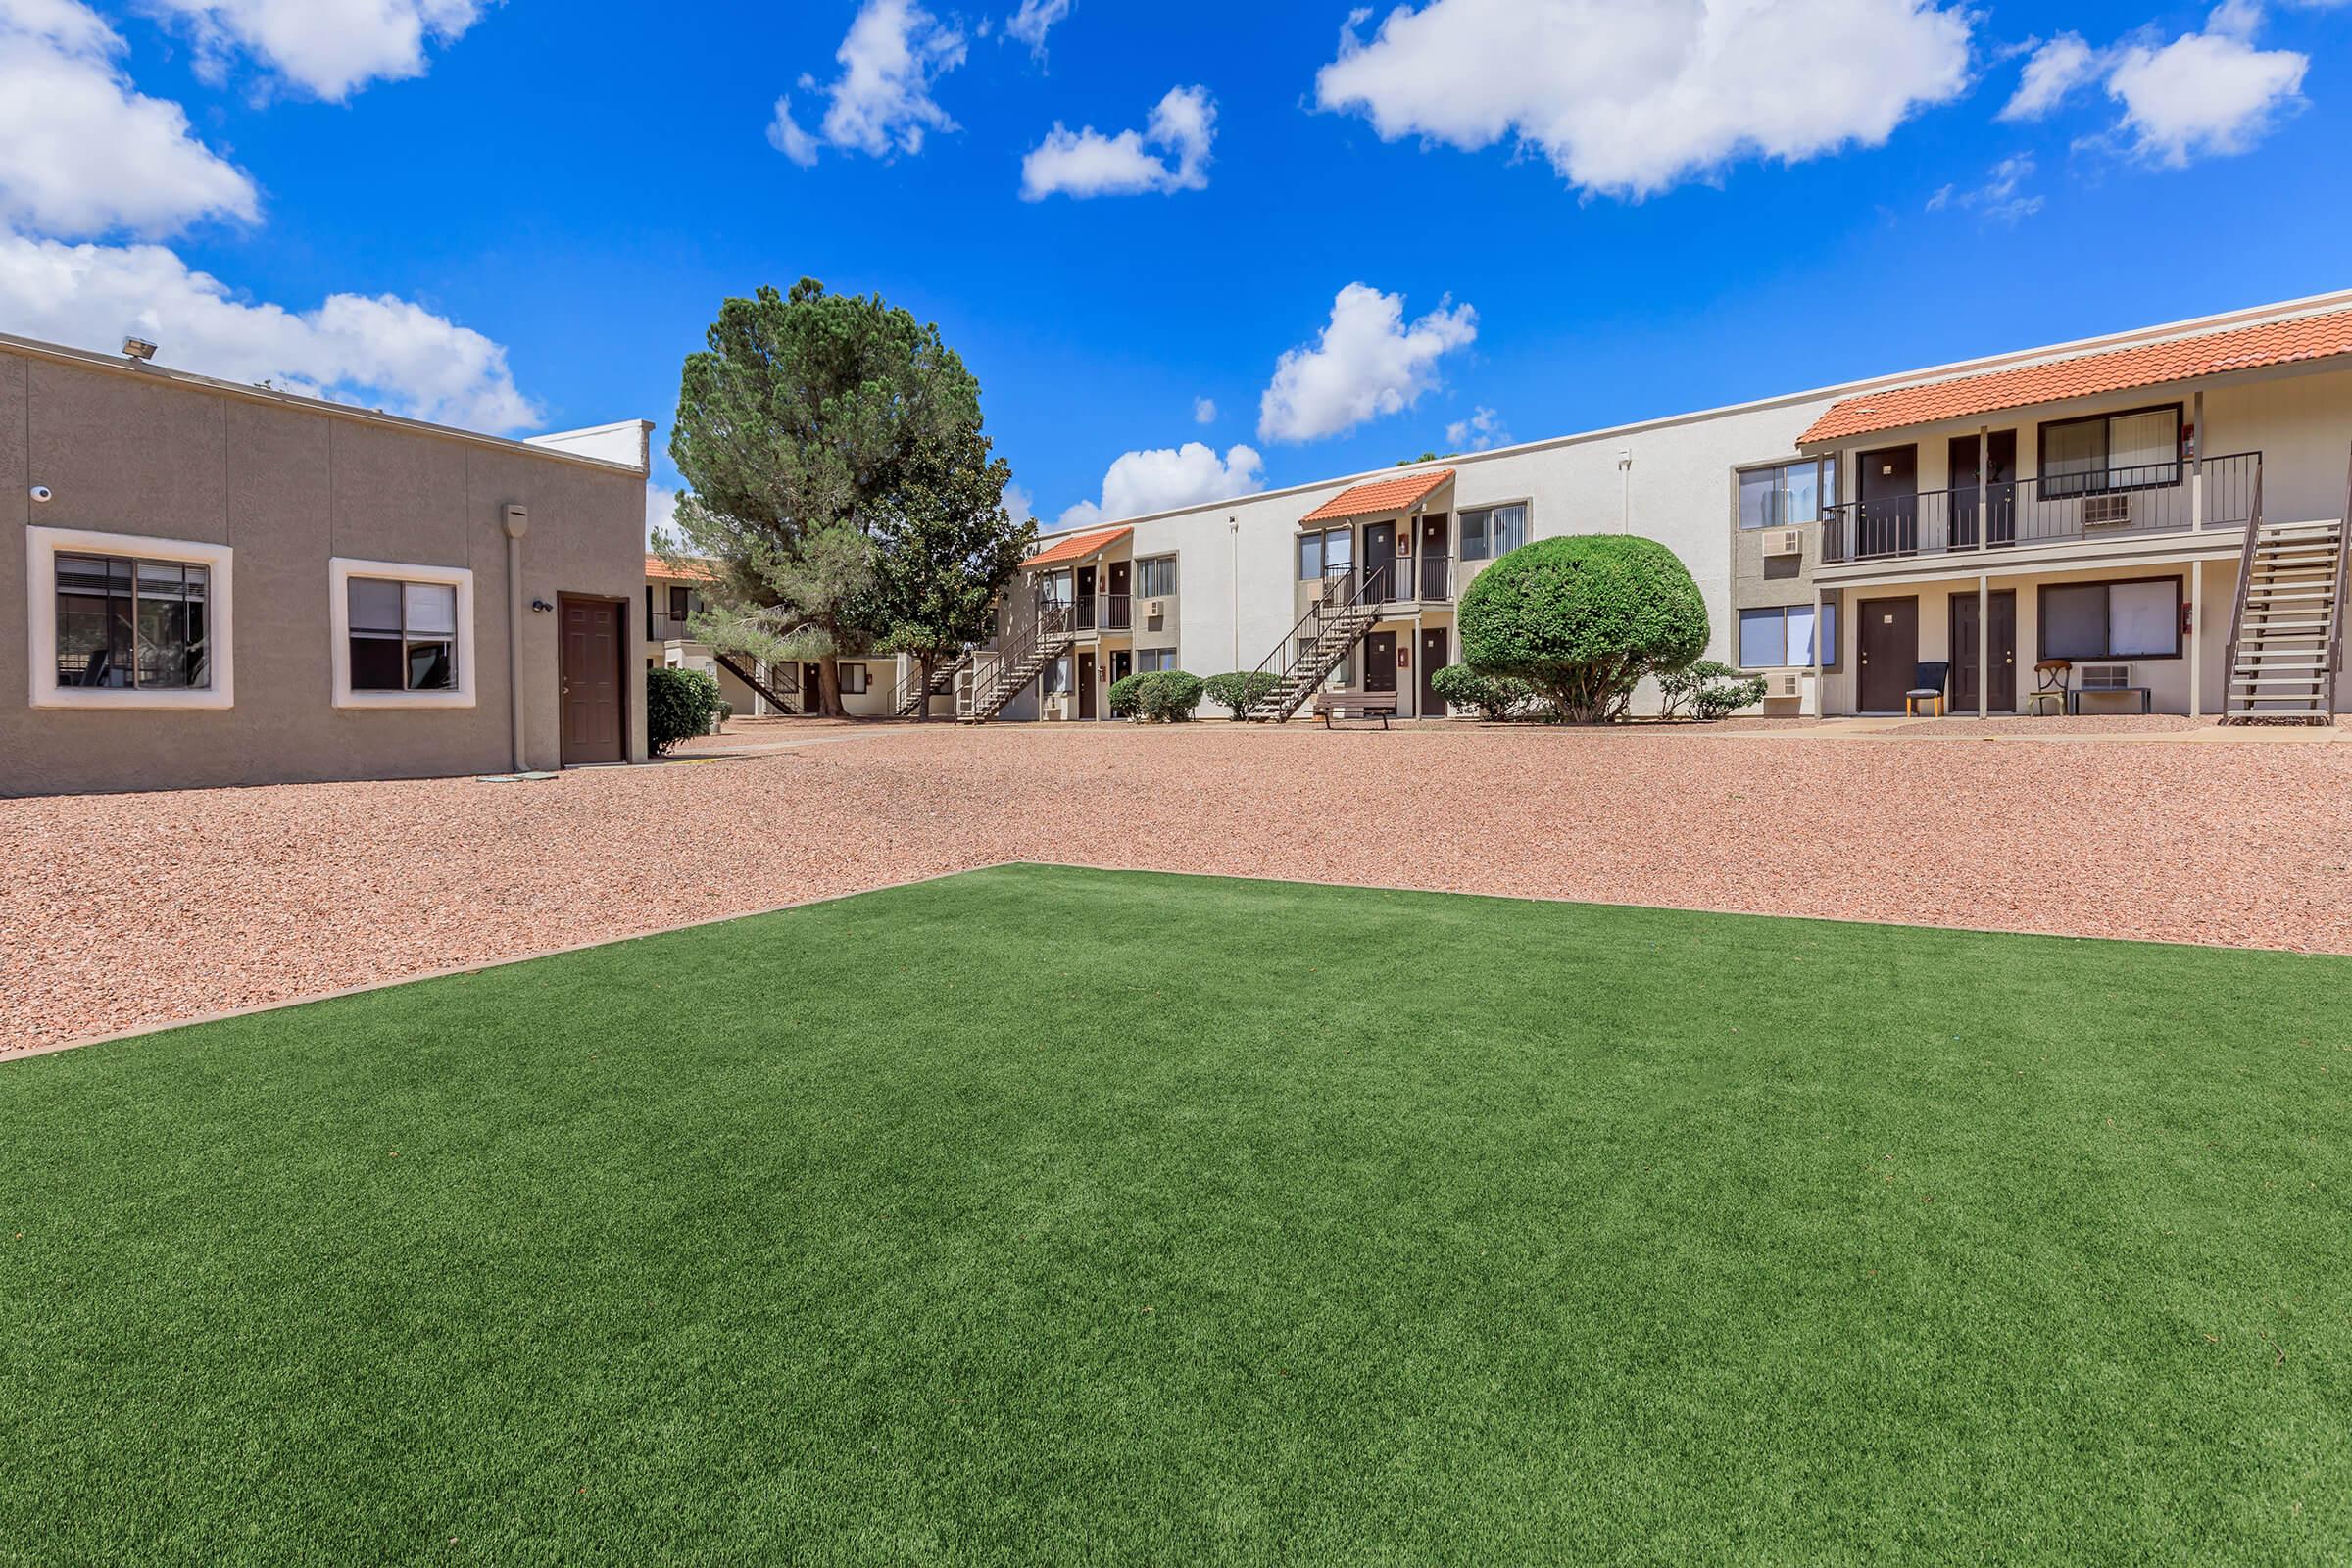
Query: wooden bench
[(1357, 704)]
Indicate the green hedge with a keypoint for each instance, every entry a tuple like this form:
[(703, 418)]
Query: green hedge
[(1241, 692), (1163, 696), (679, 705), (1582, 618), (1492, 696)]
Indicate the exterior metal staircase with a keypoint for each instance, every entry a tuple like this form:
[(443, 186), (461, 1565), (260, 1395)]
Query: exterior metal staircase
[(2286, 634), (914, 692), (1023, 656), (1331, 627), (782, 695)]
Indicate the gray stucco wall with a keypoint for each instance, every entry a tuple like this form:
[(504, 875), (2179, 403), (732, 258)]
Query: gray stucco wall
[(289, 486)]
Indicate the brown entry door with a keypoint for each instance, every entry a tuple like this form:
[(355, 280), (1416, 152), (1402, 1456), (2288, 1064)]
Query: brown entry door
[(2001, 620), (1380, 661), (1434, 649), (1998, 499), (591, 676), (1380, 561), (1890, 488), (1086, 685), (812, 687), (1889, 644)]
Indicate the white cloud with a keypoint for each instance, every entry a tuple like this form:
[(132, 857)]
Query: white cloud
[(660, 510), (1204, 410), (2001, 197), (1034, 20), (377, 351), (1086, 163), (1163, 479), (2205, 93), (1632, 96), (1367, 362), (881, 103), (81, 152), (2052, 72), (328, 47), (1478, 432), (1018, 504)]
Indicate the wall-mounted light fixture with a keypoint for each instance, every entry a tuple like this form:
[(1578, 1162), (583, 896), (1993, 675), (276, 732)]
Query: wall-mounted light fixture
[(138, 348), (541, 606)]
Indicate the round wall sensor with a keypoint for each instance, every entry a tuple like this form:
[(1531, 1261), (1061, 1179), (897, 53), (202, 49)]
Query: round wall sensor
[(41, 492)]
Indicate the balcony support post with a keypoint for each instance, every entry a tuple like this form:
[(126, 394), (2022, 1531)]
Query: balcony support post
[(1984, 644), (1821, 656), (2196, 465)]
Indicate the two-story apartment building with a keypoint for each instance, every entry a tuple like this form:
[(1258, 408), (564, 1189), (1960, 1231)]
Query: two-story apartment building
[(2084, 504)]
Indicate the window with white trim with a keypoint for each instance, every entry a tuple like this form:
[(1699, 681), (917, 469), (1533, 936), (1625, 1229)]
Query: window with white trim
[(855, 680), (124, 620), (1787, 494), (1492, 531), (1782, 637), (1152, 661), (1155, 577), (403, 634)]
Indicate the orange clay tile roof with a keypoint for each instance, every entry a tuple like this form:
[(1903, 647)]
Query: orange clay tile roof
[(1060, 547), (1381, 495), (2239, 348), (656, 566)]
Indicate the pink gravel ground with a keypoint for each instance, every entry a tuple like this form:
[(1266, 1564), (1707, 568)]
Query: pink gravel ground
[(134, 911)]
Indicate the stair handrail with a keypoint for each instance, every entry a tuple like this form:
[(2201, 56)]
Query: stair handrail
[(903, 698), (2245, 582), (769, 687), (1052, 621), (2343, 582), (1331, 602)]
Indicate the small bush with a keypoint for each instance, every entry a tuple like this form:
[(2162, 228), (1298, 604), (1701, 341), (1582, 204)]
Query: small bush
[(1582, 618), (1168, 697), (679, 705), (1708, 690), (1494, 698), (726, 710), (1123, 703), (1241, 692)]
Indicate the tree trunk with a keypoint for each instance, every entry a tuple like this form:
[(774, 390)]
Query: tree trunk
[(828, 688), (922, 675)]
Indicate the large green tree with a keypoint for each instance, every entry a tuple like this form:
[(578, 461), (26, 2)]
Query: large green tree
[(943, 546), (804, 429)]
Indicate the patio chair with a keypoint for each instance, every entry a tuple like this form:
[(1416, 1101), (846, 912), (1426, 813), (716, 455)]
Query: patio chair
[(1928, 682), (2052, 678)]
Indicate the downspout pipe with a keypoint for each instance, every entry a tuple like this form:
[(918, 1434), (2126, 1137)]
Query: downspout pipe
[(515, 521)]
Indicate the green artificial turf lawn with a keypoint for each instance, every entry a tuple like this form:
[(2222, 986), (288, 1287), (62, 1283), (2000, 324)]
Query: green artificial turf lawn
[(1044, 1215)]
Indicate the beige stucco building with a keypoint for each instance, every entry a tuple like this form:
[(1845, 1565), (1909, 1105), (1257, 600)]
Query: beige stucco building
[(228, 584)]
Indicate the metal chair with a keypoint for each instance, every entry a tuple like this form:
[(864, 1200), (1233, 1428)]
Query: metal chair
[(2052, 678), (1928, 682)]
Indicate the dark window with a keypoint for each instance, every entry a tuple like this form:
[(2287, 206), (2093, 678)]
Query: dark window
[(1151, 661), (125, 622), (2090, 621), (854, 680), (1155, 579), (2136, 449), (1492, 531), (681, 602), (1782, 637), (404, 635)]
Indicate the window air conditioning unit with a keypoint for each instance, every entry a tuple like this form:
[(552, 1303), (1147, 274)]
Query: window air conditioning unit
[(1784, 541), (1155, 608), (1782, 683), (2107, 512), (2106, 677)]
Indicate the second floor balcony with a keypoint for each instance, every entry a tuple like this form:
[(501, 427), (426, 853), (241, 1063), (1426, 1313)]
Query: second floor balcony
[(2179, 497)]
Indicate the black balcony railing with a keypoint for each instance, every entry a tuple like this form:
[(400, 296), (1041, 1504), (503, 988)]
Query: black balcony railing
[(2155, 498)]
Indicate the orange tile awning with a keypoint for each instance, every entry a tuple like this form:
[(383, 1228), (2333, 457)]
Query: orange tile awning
[(656, 566), (1058, 547), (1379, 496), (2180, 358)]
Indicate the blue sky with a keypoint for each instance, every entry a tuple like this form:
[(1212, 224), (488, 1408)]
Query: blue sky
[(1466, 222)]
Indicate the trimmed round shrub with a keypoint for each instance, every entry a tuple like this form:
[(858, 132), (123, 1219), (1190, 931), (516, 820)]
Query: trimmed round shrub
[(679, 705), (1241, 692), (1168, 697), (1583, 618), (1123, 702), (1494, 698)]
